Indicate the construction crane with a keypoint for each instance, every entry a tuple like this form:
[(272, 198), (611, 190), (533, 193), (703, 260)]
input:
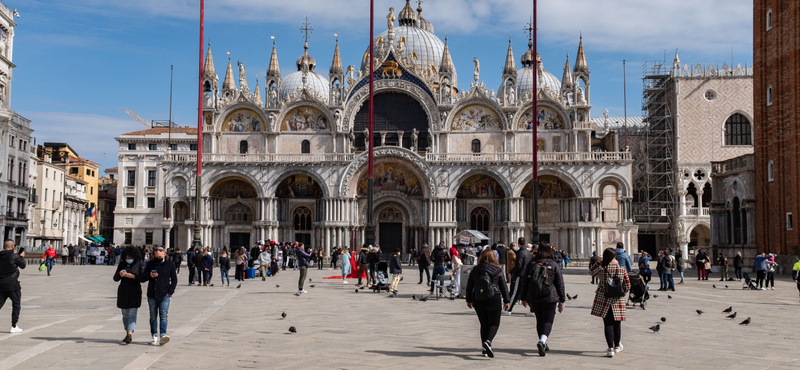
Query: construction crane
[(140, 119)]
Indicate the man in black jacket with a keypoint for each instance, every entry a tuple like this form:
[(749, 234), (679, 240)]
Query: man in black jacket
[(162, 278), (440, 257), (502, 255), (373, 259), (10, 263), (517, 273), (362, 264), (190, 264), (396, 269)]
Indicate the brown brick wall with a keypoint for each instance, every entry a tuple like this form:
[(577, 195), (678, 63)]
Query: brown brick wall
[(776, 61)]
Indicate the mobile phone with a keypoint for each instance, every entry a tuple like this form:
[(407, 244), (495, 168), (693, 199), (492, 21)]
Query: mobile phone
[(154, 272), (123, 270), (21, 250)]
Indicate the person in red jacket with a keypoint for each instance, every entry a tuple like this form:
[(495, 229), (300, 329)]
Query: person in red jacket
[(49, 258)]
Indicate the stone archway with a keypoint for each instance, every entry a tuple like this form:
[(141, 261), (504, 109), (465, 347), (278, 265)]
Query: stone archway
[(235, 208)]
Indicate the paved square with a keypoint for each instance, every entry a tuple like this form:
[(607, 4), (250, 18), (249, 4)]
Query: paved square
[(70, 321)]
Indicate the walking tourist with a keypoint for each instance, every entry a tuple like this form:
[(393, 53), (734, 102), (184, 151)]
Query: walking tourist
[(609, 301), (455, 262), (796, 274), (345, 264), (199, 254), (622, 257), (592, 261), (488, 295), (644, 266), (361, 259), (64, 255), (129, 291), (373, 258), (681, 260), (264, 259), (669, 265), (224, 266), (10, 263), (190, 264), (49, 258), (722, 261), (240, 261), (424, 263), (395, 269), (543, 289), (162, 281), (177, 258), (517, 274), (208, 267), (83, 254)]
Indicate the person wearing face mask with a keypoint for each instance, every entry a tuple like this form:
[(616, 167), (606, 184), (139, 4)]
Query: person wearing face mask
[(162, 281), (129, 292), (208, 267)]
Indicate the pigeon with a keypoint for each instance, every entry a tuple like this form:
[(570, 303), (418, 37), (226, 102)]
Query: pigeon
[(728, 310), (714, 286), (745, 322), (283, 315), (699, 312), (312, 285), (655, 328), (356, 290), (292, 329), (413, 297), (726, 287), (655, 295), (276, 285), (239, 286), (575, 297), (731, 316), (424, 299), (568, 297), (663, 319), (309, 279)]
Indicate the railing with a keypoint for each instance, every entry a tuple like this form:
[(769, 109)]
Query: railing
[(544, 157), (262, 158), (698, 211), (746, 161)]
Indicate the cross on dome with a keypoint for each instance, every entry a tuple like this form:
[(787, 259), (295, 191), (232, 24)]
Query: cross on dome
[(306, 29)]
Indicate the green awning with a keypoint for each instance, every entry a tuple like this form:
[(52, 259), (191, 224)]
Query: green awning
[(100, 238), (93, 238)]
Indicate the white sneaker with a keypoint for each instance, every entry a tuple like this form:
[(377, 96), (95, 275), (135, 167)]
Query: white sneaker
[(155, 340), (303, 291), (344, 281), (164, 340), (618, 349), (763, 288), (530, 314), (505, 313), (15, 329), (773, 288), (610, 352)]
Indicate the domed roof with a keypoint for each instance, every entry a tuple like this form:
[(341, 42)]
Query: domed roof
[(315, 82), (425, 45), (525, 81)]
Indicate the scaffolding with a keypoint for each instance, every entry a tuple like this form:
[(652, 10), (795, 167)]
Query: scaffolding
[(657, 108)]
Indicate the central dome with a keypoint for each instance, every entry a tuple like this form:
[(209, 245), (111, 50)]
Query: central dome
[(427, 47)]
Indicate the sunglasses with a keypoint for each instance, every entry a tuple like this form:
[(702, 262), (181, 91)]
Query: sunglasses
[(159, 250)]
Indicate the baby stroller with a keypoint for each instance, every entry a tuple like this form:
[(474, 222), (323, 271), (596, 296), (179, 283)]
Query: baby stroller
[(638, 293), (382, 272), (749, 284)]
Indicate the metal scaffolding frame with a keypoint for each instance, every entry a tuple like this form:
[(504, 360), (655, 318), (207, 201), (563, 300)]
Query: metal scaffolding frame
[(657, 109)]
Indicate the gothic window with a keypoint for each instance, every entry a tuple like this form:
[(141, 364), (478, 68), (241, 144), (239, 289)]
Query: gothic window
[(479, 219), (639, 191), (707, 193), (238, 213), (737, 223), (243, 147), (302, 219), (476, 146), (305, 147), (737, 131)]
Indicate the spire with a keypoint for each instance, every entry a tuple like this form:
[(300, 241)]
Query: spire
[(228, 83), (407, 16), (258, 93), (336, 65), (447, 63), (580, 60), (676, 64), (208, 70), (566, 80), (274, 70), (510, 68), (677, 58)]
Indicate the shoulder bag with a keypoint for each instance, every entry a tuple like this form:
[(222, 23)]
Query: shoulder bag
[(614, 287)]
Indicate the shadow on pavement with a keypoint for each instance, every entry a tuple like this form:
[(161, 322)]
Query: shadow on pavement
[(93, 340)]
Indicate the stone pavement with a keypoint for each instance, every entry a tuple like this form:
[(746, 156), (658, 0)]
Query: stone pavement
[(70, 321)]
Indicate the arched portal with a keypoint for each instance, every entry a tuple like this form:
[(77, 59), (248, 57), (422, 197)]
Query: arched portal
[(481, 203), (299, 204), (557, 204), (700, 237), (393, 112), (234, 206), (179, 234)]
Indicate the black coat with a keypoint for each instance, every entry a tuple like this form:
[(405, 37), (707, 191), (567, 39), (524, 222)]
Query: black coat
[(523, 260), (424, 258), (10, 263), (394, 265), (502, 253), (498, 281), (556, 293), (165, 283), (129, 292), (440, 256), (738, 261)]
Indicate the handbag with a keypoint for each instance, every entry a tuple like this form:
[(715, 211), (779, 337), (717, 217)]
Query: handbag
[(614, 287)]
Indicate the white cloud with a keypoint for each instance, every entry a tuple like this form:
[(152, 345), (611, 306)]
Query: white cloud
[(90, 135), (638, 26)]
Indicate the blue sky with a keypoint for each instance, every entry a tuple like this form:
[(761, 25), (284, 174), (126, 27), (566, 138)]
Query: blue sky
[(81, 63)]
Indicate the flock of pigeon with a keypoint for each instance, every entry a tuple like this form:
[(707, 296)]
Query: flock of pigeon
[(655, 328)]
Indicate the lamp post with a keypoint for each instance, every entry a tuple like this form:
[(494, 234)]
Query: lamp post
[(369, 232), (197, 241), (535, 135)]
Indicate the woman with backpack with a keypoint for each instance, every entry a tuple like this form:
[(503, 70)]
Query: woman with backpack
[(543, 288), (644, 267), (609, 299), (486, 288)]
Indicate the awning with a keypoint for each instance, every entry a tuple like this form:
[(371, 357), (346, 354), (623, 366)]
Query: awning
[(86, 240), (99, 239)]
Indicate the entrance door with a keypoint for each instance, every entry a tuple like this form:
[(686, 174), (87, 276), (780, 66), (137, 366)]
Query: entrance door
[(239, 240), (391, 238), (544, 238), (303, 238)]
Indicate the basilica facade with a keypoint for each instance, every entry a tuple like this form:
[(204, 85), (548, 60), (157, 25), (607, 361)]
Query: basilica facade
[(289, 162)]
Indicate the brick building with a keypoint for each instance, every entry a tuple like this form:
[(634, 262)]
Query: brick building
[(776, 33)]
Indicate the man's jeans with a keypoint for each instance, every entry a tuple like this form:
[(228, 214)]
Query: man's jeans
[(668, 282), (158, 309), (437, 270)]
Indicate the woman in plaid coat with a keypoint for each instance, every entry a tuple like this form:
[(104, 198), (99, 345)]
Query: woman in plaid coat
[(612, 310)]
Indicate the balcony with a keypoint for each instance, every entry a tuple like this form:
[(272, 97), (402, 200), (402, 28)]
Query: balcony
[(699, 211), (544, 158), (259, 159), (742, 163)]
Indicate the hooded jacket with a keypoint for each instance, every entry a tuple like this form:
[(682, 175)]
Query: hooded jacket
[(10, 263), (623, 259), (440, 256)]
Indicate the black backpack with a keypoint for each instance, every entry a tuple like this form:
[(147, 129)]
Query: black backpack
[(539, 282), (483, 289)]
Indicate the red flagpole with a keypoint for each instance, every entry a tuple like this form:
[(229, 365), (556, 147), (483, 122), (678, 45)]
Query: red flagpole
[(200, 96), (369, 231), (535, 135)]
